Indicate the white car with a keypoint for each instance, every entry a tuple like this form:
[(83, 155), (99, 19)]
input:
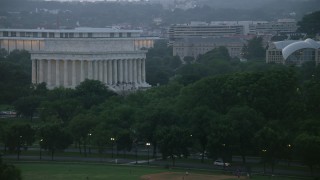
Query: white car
[(221, 163)]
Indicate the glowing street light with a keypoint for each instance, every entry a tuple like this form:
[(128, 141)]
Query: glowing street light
[(148, 145), (19, 146), (40, 153), (264, 160), (112, 140), (89, 143)]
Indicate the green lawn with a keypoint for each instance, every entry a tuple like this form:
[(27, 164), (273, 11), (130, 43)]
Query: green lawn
[(76, 171), (86, 171)]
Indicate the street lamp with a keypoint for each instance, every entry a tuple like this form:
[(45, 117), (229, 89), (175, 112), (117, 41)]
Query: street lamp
[(289, 153), (40, 148), (148, 145), (89, 143), (136, 148), (19, 146), (264, 160), (112, 140)]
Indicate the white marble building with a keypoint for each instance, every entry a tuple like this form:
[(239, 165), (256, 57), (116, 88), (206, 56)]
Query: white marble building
[(68, 57)]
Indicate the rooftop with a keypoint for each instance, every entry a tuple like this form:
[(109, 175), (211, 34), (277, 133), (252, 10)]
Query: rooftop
[(77, 30)]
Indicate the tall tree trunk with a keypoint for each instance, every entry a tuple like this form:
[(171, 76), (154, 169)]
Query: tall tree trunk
[(173, 160), (154, 155), (85, 149), (203, 151), (311, 170), (79, 146), (52, 152), (243, 159)]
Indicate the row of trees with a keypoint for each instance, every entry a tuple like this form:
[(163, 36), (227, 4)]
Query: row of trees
[(269, 114), (216, 106)]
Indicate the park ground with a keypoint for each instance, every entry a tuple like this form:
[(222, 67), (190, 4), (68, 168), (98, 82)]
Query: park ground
[(100, 171)]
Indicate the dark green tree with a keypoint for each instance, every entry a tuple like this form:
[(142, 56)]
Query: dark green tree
[(54, 138), (92, 92), (221, 139), (310, 24), (18, 135), (9, 172), (174, 142), (307, 148), (199, 122), (254, 50), (101, 137), (245, 122), (80, 127), (27, 106), (269, 143)]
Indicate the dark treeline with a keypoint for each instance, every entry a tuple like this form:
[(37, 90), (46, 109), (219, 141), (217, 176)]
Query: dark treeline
[(216, 106)]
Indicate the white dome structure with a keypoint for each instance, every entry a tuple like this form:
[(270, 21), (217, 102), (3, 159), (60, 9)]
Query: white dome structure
[(291, 48), (293, 52)]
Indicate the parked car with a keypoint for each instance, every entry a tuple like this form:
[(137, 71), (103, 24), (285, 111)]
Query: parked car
[(221, 163)]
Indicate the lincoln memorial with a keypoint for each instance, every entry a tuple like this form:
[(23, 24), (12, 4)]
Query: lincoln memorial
[(68, 57)]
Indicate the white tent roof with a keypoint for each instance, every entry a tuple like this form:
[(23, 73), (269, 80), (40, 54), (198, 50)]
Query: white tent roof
[(291, 48)]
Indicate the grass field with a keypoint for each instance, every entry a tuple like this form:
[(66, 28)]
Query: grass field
[(72, 171), (82, 171)]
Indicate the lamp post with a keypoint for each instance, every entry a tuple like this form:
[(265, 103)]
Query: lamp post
[(289, 153), (19, 146), (136, 146), (89, 143), (148, 145), (112, 140), (40, 152), (264, 151)]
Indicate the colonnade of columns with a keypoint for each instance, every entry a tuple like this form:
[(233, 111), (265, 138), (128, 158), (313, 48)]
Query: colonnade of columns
[(70, 73)]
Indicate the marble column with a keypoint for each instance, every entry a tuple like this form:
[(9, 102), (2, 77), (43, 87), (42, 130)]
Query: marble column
[(34, 71), (90, 70), (41, 71), (81, 70), (74, 74), (134, 71), (49, 84), (143, 70), (100, 70), (110, 72), (115, 71), (139, 71), (120, 71), (125, 71), (65, 74), (57, 73), (105, 72), (96, 70), (130, 70)]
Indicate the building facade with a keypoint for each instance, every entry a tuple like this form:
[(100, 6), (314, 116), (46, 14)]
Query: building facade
[(292, 52), (193, 47), (68, 57), (202, 29), (282, 26)]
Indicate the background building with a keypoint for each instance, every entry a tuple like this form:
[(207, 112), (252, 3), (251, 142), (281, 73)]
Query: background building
[(68, 57), (202, 29), (193, 47), (293, 52), (282, 26)]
